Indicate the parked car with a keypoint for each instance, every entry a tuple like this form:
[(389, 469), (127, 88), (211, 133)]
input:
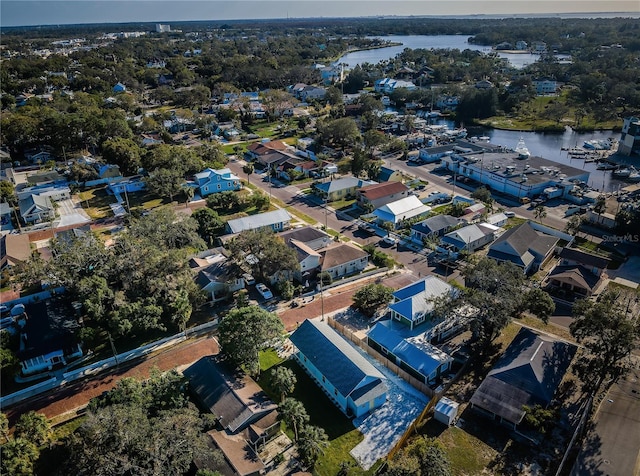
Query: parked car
[(389, 240), (248, 279), (264, 291), (366, 228), (509, 214)]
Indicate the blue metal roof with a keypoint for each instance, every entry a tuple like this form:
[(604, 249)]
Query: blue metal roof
[(333, 356), (425, 360)]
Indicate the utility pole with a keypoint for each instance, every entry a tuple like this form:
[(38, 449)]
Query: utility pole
[(113, 348)]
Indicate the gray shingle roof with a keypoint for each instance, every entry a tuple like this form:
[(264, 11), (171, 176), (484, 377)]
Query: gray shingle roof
[(235, 401), (528, 373), (304, 234), (587, 259), (334, 357), (436, 223)]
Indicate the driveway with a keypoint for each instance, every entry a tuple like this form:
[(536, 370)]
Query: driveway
[(70, 213), (383, 428)]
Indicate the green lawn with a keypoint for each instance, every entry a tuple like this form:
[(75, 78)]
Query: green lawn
[(96, 202), (343, 436)]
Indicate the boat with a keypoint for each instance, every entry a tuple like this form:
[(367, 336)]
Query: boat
[(606, 166), (622, 172), (577, 152), (522, 150), (634, 176), (597, 144)]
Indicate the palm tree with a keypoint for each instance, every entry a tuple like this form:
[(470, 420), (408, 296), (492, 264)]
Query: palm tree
[(312, 443), (248, 169), (294, 414), (540, 213), (284, 380)]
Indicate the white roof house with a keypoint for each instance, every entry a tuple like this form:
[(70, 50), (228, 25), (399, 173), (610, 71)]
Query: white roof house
[(403, 209), (277, 220)]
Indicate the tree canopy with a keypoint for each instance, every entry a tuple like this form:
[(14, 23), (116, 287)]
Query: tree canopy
[(372, 297), (244, 331)]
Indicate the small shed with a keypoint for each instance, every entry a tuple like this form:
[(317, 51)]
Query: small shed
[(446, 411)]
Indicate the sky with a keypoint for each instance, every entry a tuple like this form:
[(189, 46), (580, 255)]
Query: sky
[(54, 12)]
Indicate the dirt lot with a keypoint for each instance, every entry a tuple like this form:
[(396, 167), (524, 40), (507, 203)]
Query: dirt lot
[(73, 397)]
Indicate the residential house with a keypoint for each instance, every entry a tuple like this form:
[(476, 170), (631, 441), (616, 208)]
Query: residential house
[(400, 210), (497, 219), (475, 210), (340, 189), (353, 384), (128, 185), (108, 171), (343, 259), (545, 86), (578, 272), (36, 208), (447, 103), (276, 220), (310, 236), (528, 373), (433, 227), (523, 246), (389, 175), (39, 156), (415, 356), (5, 213), (45, 177), (255, 150), (377, 195), (308, 260), (213, 181), (151, 139), (413, 304), (484, 84), (521, 45), (219, 278), (305, 92), (388, 85), (14, 250), (248, 417)]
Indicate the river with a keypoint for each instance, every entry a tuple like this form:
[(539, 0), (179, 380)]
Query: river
[(517, 60), (547, 145)]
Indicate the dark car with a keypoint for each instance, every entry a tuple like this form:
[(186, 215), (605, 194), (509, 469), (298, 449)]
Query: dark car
[(367, 229)]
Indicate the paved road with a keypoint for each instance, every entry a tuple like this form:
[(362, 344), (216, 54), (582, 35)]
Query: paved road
[(612, 448)]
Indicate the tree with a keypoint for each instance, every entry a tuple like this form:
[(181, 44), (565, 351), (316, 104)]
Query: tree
[(227, 201), (600, 205), (609, 333), (311, 444), (372, 297), (33, 427), (210, 225), (495, 290), (9, 362), (421, 457), (540, 213), (482, 193), (244, 332), (165, 183), (248, 169), (538, 302), (124, 153), (4, 427), (18, 457), (284, 380), (272, 256), (294, 414), (7, 193), (573, 225), (285, 288)]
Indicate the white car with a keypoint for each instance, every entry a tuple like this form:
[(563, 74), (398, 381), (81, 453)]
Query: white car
[(264, 291), (509, 214), (389, 240)]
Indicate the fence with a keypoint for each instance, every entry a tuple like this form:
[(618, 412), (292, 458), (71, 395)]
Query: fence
[(41, 296), (350, 335), (103, 365)]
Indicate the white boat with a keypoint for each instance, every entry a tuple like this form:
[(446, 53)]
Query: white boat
[(623, 172), (522, 150), (634, 176), (605, 166), (597, 144)]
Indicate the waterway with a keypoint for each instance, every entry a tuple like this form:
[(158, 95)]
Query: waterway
[(517, 60)]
